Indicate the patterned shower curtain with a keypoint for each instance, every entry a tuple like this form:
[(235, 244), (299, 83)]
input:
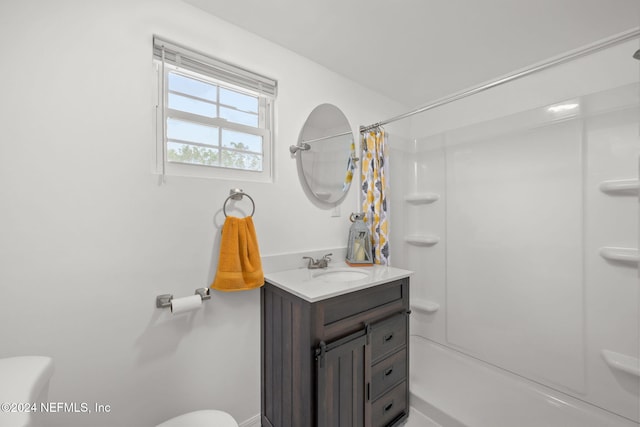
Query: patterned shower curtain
[(351, 166), (374, 188)]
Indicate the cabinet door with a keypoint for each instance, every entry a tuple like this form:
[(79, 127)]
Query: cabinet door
[(342, 373)]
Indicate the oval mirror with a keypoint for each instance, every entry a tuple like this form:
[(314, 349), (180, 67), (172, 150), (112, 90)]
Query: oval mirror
[(326, 154)]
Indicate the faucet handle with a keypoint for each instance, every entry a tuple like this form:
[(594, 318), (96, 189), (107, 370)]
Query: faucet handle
[(324, 262)]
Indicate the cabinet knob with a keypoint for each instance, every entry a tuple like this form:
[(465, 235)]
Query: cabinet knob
[(389, 337), (388, 371), (388, 406)]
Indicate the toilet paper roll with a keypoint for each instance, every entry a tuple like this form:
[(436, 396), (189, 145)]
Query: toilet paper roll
[(186, 304)]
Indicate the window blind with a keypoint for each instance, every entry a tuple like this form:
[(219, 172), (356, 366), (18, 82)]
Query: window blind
[(180, 56)]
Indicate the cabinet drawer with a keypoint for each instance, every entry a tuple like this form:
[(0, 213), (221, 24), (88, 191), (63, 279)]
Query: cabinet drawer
[(388, 372), (389, 406), (348, 306), (388, 336)]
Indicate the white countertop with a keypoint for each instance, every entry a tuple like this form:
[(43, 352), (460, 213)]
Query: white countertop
[(318, 284)]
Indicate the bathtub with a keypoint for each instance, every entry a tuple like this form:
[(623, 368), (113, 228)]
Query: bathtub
[(455, 390)]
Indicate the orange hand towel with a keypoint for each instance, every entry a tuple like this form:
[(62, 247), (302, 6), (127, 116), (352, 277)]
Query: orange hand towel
[(239, 266)]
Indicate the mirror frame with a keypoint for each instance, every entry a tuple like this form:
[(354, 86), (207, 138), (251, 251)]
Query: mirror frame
[(340, 128)]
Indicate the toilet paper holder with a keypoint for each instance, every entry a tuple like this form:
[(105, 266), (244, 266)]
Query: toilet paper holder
[(164, 300)]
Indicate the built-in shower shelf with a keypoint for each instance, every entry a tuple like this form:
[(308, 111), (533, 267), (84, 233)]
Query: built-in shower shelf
[(622, 362), (421, 240), (620, 186), (627, 255), (421, 198), (424, 306)]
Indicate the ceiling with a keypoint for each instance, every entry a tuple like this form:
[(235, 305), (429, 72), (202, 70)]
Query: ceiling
[(416, 51)]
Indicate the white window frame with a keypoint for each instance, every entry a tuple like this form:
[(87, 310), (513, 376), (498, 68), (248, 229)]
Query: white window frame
[(172, 58)]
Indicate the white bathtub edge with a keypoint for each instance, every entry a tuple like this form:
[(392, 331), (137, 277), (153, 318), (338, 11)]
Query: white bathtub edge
[(455, 399)]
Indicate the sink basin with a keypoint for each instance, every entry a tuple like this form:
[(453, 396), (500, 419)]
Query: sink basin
[(320, 284), (341, 275)]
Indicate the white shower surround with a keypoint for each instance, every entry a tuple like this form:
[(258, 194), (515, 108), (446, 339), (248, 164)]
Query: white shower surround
[(454, 390), (518, 268)]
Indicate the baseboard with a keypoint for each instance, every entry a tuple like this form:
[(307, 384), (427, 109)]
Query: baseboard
[(251, 422)]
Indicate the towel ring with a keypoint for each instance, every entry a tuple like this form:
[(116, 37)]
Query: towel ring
[(237, 194)]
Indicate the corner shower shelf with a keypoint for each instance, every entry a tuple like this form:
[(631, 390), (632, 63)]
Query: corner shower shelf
[(620, 186), (421, 198), (627, 255), (420, 240), (622, 362), (424, 306)]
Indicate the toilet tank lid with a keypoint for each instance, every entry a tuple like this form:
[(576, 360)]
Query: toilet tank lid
[(24, 377), (205, 418)]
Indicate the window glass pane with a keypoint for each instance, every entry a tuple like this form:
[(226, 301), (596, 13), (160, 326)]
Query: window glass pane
[(221, 126), (190, 105), (236, 116), (238, 100), (193, 87), (237, 160), (241, 141), (193, 132), (186, 153)]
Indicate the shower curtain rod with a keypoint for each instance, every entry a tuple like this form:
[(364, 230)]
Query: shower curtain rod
[(623, 37)]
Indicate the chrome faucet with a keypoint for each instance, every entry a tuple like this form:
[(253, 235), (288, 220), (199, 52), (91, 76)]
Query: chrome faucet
[(318, 263)]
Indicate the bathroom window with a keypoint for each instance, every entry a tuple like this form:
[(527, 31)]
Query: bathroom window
[(214, 119)]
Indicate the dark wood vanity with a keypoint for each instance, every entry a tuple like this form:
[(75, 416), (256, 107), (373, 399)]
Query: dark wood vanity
[(337, 362)]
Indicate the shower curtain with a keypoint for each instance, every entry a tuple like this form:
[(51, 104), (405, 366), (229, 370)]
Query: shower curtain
[(374, 189)]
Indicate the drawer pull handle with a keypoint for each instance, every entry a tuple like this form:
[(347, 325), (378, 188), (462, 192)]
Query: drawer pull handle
[(388, 371), (388, 406), (389, 337)]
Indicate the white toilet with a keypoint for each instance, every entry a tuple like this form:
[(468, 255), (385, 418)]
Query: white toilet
[(205, 418), (26, 379)]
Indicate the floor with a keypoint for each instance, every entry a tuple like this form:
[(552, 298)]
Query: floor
[(416, 419)]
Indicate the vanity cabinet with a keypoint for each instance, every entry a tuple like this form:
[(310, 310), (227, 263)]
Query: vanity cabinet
[(337, 362)]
